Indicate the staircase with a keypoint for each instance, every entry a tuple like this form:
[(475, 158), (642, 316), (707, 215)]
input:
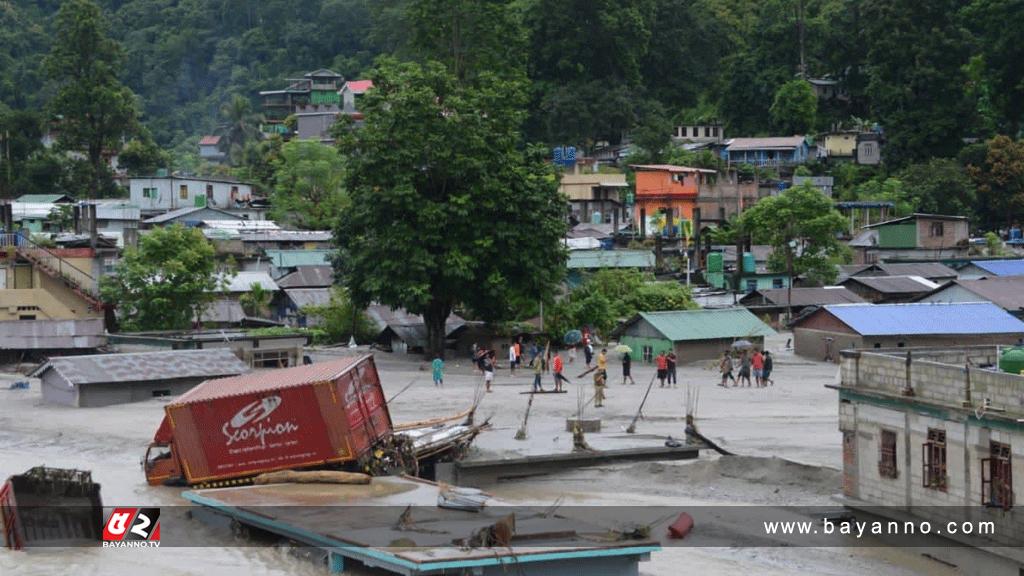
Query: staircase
[(79, 281)]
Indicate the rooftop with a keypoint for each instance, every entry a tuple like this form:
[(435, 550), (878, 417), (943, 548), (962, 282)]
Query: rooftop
[(1001, 267), (925, 318), (299, 258), (44, 198), (144, 366), (268, 380), (707, 324), (917, 215), (358, 86), (1006, 292), (894, 284), (771, 143), (308, 277), (801, 297), (287, 236), (595, 259), (243, 281), (209, 141), (922, 269), (241, 225), (178, 213), (303, 297), (670, 168)]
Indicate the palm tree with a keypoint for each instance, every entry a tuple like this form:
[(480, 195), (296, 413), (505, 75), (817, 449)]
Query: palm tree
[(240, 125)]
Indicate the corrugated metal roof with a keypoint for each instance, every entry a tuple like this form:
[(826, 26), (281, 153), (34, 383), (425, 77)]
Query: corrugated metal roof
[(174, 214), (670, 168), (594, 259), (243, 281), (287, 236), (1006, 292), (358, 86), (308, 277), (145, 366), (926, 318), (771, 143), (708, 324), (923, 269), (52, 334), (43, 198), (268, 380), (298, 258), (209, 140), (801, 297), (1001, 267), (894, 284), (241, 225), (409, 327), (303, 297), (915, 216), (223, 311)]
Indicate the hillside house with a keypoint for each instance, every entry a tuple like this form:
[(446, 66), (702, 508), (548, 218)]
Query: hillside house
[(350, 94), (773, 151), (210, 149), (914, 237), (666, 196), (158, 194)]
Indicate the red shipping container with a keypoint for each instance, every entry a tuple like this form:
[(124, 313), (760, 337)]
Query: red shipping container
[(303, 417)]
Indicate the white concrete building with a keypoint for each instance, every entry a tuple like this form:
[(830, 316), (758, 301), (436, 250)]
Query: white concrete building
[(161, 194)]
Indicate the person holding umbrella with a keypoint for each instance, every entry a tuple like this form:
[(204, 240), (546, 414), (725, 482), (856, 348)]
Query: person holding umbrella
[(627, 363)]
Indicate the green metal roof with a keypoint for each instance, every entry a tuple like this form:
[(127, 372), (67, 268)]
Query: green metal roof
[(295, 258), (41, 198), (707, 324), (592, 259)]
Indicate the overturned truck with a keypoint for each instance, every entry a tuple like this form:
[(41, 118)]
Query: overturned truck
[(329, 415)]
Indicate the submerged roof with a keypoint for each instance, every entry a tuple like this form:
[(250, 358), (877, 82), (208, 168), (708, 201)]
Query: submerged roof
[(926, 318), (145, 366), (1001, 267), (269, 380), (707, 324), (592, 259)]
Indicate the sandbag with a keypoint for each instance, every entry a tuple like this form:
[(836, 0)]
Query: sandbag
[(312, 477)]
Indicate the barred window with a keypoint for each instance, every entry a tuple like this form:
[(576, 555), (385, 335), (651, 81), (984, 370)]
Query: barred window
[(933, 458), (887, 455)]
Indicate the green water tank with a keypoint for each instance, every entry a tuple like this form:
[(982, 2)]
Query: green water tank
[(1012, 360), (715, 262), (596, 217), (749, 264)]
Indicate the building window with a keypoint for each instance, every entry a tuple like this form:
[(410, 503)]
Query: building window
[(696, 131), (996, 477), (707, 131), (887, 455), (714, 131), (751, 285), (271, 359), (647, 353), (149, 192), (933, 460), (937, 229), (183, 192), (777, 283)]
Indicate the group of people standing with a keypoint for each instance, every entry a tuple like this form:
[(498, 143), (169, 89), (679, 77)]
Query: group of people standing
[(760, 363)]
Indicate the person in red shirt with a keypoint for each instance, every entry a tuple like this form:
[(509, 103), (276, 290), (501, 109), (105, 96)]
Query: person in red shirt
[(556, 370), (662, 363), (758, 363)]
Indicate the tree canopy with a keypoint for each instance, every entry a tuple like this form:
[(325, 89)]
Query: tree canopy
[(309, 189), (448, 205), (166, 282)]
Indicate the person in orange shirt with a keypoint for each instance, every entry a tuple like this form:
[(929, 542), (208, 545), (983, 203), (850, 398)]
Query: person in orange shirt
[(661, 361), (556, 370), (758, 363)]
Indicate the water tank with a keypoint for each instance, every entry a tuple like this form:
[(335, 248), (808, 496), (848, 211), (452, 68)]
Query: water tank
[(749, 265), (1015, 234), (595, 218), (715, 262), (1012, 360)]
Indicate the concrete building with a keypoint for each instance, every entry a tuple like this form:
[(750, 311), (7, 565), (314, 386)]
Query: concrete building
[(38, 283), (931, 435), (314, 122), (692, 334), (191, 217), (155, 195), (838, 145), (666, 196), (822, 183), (319, 87), (823, 333), (869, 149), (210, 150), (914, 237), (989, 268), (105, 379), (350, 93), (1005, 292), (595, 197), (34, 340), (889, 289), (709, 133), (754, 273)]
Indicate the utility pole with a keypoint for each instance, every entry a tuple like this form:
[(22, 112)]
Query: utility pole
[(790, 246)]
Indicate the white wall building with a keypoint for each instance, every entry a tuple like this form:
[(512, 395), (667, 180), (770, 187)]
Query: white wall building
[(160, 194)]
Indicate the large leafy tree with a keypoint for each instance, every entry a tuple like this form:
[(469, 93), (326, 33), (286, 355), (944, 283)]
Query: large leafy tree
[(803, 227), (940, 186), (448, 205), (26, 167), (309, 191), (166, 282), (999, 27), (795, 108), (96, 111), (997, 168), (916, 76)]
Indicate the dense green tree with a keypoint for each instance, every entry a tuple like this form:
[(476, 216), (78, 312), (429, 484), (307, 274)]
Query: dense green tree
[(95, 110), (997, 168), (448, 206), (802, 227), (141, 156), (939, 186), (166, 282), (240, 126), (20, 146), (916, 70), (256, 302), (998, 28), (309, 190), (795, 108), (340, 320)]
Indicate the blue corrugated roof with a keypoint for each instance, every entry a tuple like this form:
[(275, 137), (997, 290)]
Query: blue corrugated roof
[(926, 318), (1001, 267)]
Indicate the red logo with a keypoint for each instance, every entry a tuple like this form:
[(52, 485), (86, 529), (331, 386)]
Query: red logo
[(132, 528)]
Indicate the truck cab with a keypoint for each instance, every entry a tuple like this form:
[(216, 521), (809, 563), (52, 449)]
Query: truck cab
[(161, 464)]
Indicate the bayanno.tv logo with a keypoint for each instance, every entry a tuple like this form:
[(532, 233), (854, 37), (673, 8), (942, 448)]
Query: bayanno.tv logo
[(132, 528)]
